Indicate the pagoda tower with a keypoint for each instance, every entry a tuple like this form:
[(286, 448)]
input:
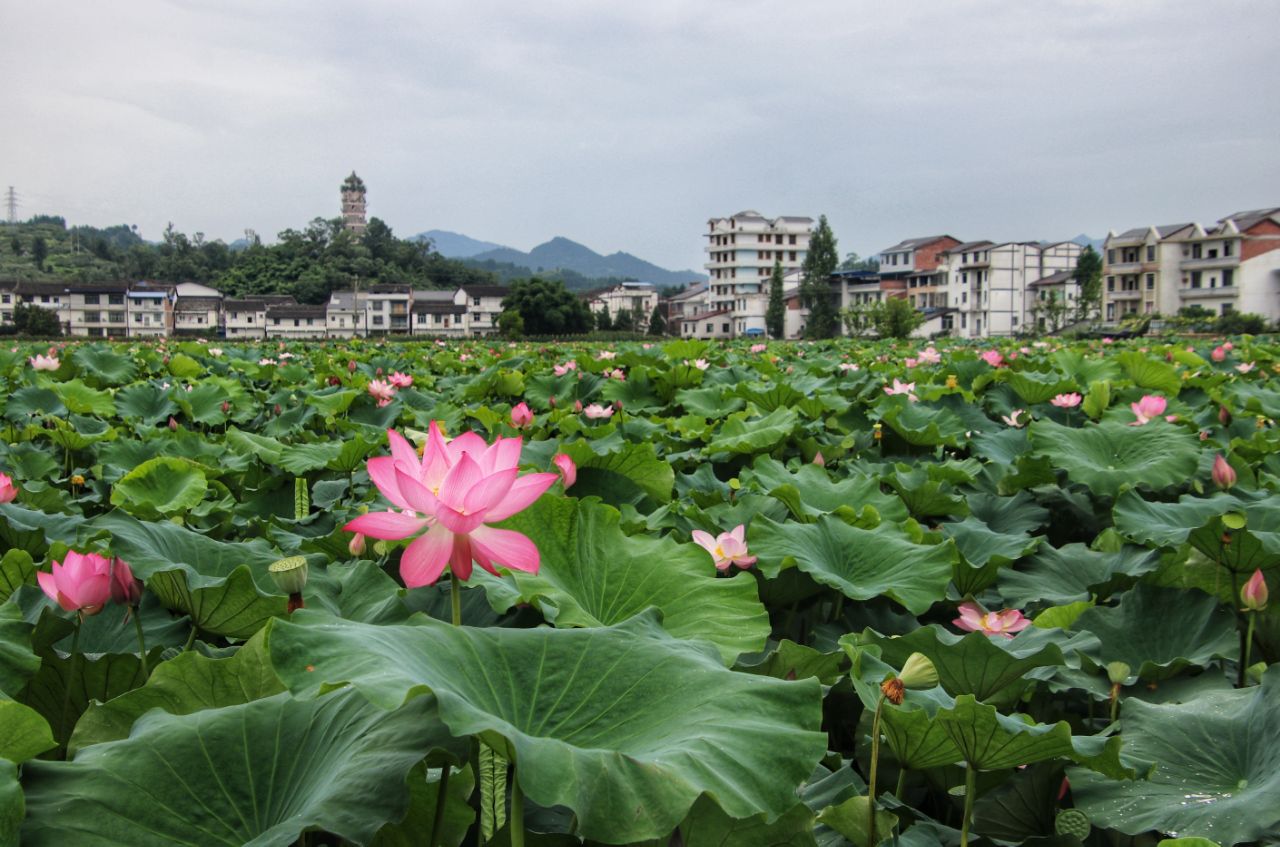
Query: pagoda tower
[(353, 219)]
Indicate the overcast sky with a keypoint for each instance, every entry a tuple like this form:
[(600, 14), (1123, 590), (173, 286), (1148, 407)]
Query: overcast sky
[(626, 125)]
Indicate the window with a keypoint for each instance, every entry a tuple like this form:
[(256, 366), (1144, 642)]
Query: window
[(1227, 308), (1151, 281), (724, 327), (1226, 251), (1111, 311), (5, 298), (793, 255), (377, 320), (1111, 283), (44, 298), (1195, 251), (793, 240), (91, 299), (92, 317), (439, 318), (1195, 279), (1111, 256), (1015, 321), (115, 299), (276, 321), (1151, 252), (475, 301), (115, 317), (711, 328), (1227, 277)]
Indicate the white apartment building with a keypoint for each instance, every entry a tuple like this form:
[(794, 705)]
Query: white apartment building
[(987, 283), (342, 315), (150, 310), (741, 253), (639, 299), (292, 321), (197, 309), (1231, 266), (386, 309), (439, 317), (483, 304), (98, 310)]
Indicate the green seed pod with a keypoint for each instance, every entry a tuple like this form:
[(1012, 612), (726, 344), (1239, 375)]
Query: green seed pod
[(918, 673), (1117, 672), (290, 574), (1072, 822)]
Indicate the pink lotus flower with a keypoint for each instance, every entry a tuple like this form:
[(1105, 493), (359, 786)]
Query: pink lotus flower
[(728, 548), (80, 583), (929, 356), (845, 367), (909, 362), (400, 380), (993, 358), (1224, 476), (906, 388), (597, 412), (382, 391), (8, 491), (453, 492), (215, 352), (606, 355), (45, 363), (1219, 354), (1245, 367), (126, 590), (568, 470), (561, 370), (1150, 407), (521, 416), (617, 373), (1253, 596), (1066, 401), (701, 364), (1227, 345), (1004, 623), (759, 348), (1011, 419)]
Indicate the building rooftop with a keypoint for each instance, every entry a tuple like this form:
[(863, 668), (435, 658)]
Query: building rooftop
[(1053, 279), (486, 290), (437, 307), (296, 311), (433, 294), (970, 246), (914, 243), (197, 304)]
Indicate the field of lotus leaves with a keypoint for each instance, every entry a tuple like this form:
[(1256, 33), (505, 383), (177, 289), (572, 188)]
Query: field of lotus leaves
[(670, 593)]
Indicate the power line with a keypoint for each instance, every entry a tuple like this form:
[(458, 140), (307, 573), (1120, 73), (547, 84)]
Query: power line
[(11, 200)]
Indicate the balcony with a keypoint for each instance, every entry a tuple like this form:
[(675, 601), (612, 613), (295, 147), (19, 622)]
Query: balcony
[(1124, 268), (1189, 293), (1210, 263), (1126, 294)]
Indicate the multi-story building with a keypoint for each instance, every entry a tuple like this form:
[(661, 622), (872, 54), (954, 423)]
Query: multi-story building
[(1233, 266), (50, 296), (911, 268), (197, 309), (483, 304), (638, 299), (439, 317), (988, 282), (742, 251), (690, 301), (386, 309), (1140, 270), (150, 309), (98, 310), (295, 321), (342, 316)]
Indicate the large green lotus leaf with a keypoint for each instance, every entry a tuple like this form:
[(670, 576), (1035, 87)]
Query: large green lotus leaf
[(32, 401), (29, 461), (160, 486), (625, 725), (1159, 631), (625, 474), (1150, 373), (145, 401), (253, 444), (1169, 524), (823, 493), (78, 432), (100, 366), (189, 682), (333, 402), (33, 530), (424, 793), (258, 774), (1200, 521), (1072, 573), (859, 563), (593, 575), (980, 544), (707, 826), (918, 741), (990, 741), (789, 660), (83, 400), (298, 459), (710, 402), (1217, 769), (18, 662), (1110, 456), (17, 569), (922, 424), (1035, 387), (757, 435), (12, 805), (852, 819), (203, 403), (88, 677), (636, 392), (23, 732), (972, 663), (1022, 808), (924, 495)]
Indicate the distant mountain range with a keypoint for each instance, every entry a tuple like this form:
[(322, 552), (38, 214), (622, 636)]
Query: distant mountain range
[(1085, 241), (558, 254)]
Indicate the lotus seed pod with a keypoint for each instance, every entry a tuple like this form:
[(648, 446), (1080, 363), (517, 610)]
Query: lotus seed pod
[(1072, 822), (919, 672), (290, 575), (1117, 672)]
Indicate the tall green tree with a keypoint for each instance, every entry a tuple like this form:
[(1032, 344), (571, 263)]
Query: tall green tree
[(39, 251), (548, 308), (657, 323), (775, 316), (1088, 275), (625, 321), (815, 288), (854, 262), (894, 317), (32, 320), (604, 323)]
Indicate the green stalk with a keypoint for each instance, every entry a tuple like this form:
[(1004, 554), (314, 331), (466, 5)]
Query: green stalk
[(71, 674), (191, 639), (442, 796), (969, 787), (1248, 648), (902, 783), (142, 642), (517, 813), (455, 597), (871, 781)]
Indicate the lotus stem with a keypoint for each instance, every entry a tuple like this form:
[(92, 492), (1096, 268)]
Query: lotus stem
[(871, 780), (516, 823), (970, 780), (455, 598), (442, 797), (71, 675), (902, 783), (1115, 701), (142, 641), (191, 639), (1248, 648)]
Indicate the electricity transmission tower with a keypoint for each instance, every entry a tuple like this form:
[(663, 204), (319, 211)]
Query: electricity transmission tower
[(11, 201)]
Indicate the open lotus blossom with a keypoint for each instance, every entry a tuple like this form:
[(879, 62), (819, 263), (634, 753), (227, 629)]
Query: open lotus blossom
[(907, 388), (1224, 476), (45, 363), (727, 548), (701, 364), (215, 352), (521, 416), (400, 380), (846, 367), (1246, 367), (1150, 407), (561, 370), (993, 358), (1219, 354), (266, 361), (929, 356), (597, 412), (81, 582), (1066, 401), (606, 355), (568, 470), (910, 362), (759, 348), (382, 391), (617, 373), (446, 498), (8, 491), (1004, 623), (1013, 418), (1253, 595)]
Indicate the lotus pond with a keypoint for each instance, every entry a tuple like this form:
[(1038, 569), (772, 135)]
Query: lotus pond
[(665, 594)]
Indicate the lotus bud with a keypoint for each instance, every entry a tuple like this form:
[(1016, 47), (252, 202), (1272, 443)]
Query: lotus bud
[(378, 372), (356, 545), (1224, 476), (1218, 354), (577, 405), (818, 460), (226, 406), (1253, 596), (1224, 416), (351, 366), (919, 672), (277, 409), (173, 424), (126, 590), (290, 576), (1117, 672)]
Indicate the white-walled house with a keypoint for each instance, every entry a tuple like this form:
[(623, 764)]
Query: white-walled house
[(483, 304), (197, 309), (293, 321), (987, 283), (637, 298)]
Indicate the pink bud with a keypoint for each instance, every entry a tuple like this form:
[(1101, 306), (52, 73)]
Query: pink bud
[(568, 470), (552, 401), (521, 416), (277, 409), (1218, 354), (1227, 345), (1224, 416), (378, 372), (577, 405), (818, 460), (1253, 596), (1224, 476), (226, 406), (126, 590), (173, 424), (356, 546), (351, 366)]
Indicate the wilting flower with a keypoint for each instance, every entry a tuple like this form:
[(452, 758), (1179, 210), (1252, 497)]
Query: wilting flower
[(568, 470), (993, 358), (898, 387), (126, 589), (8, 491), (45, 363), (1253, 596), (521, 416), (727, 548), (453, 492), (1150, 407), (1004, 623), (596, 412), (1224, 476), (382, 390), (1011, 419), (400, 380), (80, 583), (1066, 401)]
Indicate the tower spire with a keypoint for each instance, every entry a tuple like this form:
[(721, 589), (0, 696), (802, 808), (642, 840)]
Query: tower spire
[(353, 204)]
